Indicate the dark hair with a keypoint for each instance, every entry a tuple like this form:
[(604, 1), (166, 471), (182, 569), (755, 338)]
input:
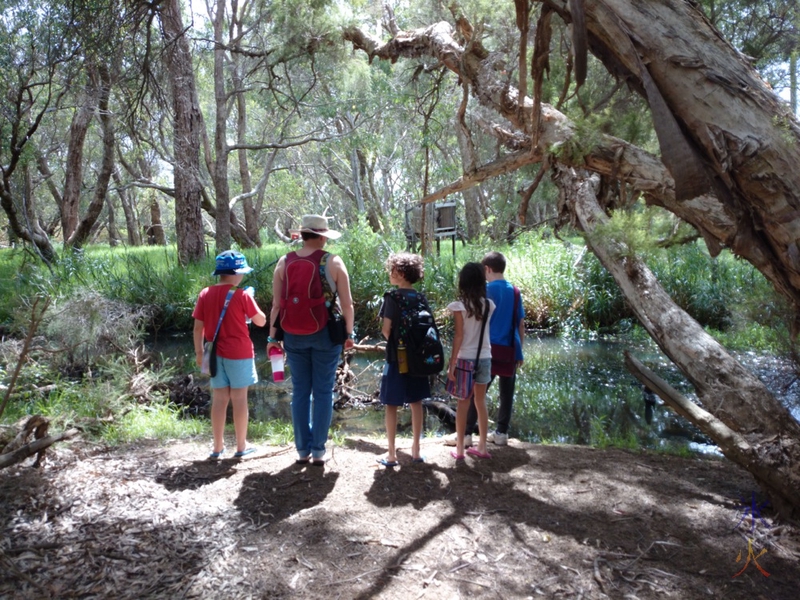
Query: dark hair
[(308, 235), (409, 266), (495, 261), (472, 289)]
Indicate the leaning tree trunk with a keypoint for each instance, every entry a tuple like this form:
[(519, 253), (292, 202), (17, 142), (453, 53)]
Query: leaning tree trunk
[(742, 417), (188, 125), (73, 172)]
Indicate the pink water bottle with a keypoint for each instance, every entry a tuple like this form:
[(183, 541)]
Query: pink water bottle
[(276, 358)]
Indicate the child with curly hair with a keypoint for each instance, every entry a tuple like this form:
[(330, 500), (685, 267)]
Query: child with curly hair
[(398, 387)]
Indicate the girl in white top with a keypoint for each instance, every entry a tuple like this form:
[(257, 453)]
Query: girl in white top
[(469, 311)]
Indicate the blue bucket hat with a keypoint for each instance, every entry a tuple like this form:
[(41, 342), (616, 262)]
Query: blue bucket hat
[(232, 263)]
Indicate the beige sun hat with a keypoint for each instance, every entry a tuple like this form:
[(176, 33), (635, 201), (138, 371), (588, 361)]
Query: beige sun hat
[(317, 224)]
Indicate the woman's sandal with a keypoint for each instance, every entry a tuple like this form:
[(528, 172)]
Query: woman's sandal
[(457, 456)]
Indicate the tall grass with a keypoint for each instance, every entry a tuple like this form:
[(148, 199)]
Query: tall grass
[(565, 289)]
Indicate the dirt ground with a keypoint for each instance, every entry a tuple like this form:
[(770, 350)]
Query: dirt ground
[(160, 521)]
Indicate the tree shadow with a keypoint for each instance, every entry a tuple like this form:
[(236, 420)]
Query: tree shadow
[(628, 543)]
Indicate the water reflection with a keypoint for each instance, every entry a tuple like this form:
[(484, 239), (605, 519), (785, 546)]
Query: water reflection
[(568, 391)]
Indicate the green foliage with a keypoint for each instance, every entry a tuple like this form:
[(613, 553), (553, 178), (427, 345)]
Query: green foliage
[(630, 230)]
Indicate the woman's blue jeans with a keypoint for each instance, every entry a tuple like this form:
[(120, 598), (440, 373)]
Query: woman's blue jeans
[(312, 361)]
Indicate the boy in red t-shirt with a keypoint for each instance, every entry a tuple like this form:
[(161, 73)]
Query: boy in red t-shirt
[(236, 369)]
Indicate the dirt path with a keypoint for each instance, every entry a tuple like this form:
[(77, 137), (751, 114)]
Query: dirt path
[(535, 521)]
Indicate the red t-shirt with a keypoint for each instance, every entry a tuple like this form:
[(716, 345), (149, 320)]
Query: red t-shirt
[(233, 340)]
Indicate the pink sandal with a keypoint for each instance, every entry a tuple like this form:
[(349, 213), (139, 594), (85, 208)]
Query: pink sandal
[(457, 456), (477, 453)]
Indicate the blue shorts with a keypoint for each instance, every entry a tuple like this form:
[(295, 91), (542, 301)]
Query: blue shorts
[(234, 373), (483, 374)]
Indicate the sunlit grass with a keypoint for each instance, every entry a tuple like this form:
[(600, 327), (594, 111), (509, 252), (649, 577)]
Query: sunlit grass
[(164, 421), (157, 420)]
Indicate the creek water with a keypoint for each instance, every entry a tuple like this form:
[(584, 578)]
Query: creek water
[(568, 391)]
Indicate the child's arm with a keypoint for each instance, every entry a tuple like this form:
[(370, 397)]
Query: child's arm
[(386, 329), (198, 342), (458, 338), (258, 317)]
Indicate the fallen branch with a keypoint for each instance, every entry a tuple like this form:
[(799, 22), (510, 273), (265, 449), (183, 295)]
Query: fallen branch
[(37, 446)]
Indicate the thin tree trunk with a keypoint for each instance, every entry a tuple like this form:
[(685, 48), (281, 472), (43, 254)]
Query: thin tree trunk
[(73, 169), (82, 231), (131, 222), (113, 233), (155, 233), (220, 168), (251, 221), (187, 135), (469, 163)]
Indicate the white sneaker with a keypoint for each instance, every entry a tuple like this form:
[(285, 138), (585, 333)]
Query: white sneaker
[(450, 440), (498, 439)]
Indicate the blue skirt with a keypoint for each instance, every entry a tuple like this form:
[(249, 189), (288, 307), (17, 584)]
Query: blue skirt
[(398, 388)]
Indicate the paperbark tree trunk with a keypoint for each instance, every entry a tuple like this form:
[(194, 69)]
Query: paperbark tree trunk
[(83, 230), (188, 123), (220, 167), (469, 162), (73, 171), (746, 137), (131, 221)]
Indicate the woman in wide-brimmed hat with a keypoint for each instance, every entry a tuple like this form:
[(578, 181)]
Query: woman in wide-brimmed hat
[(299, 309)]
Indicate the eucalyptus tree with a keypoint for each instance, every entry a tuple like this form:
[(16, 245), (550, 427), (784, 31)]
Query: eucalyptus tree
[(187, 133), (729, 150)]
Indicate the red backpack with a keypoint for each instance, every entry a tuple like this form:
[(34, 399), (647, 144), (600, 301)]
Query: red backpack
[(303, 309)]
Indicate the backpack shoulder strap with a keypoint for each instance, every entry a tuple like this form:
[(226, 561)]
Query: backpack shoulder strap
[(330, 295)]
